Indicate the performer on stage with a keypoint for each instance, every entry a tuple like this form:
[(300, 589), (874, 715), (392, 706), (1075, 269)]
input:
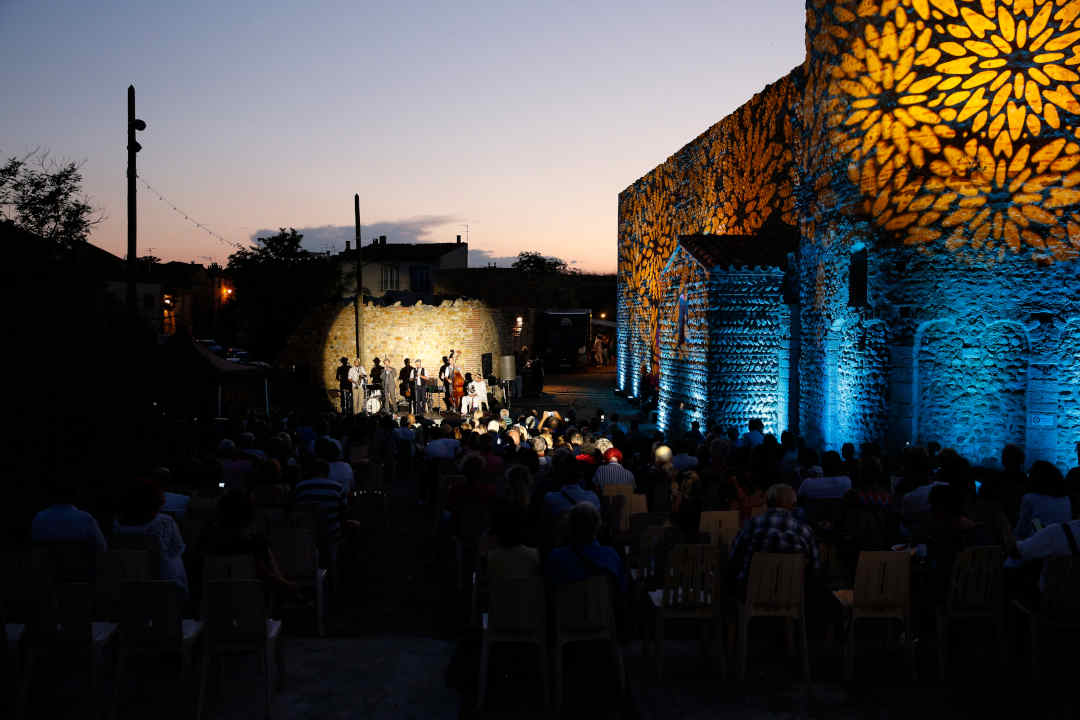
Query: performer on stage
[(421, 386), (375, 383), (390, 388), (345, 387), (446, 377), (358, 379), (407, 385)]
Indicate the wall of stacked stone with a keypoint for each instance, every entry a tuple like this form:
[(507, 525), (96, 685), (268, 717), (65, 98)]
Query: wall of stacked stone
[(424, 331), (684, 366), (748, 324), (730, 180)]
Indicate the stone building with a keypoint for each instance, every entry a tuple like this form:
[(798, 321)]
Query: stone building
[(925, 157)]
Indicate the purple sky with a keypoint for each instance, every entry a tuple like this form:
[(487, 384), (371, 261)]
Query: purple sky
[(523, 120)]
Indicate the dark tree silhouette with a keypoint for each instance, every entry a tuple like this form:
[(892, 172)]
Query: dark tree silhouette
[(277, 285), (45, 198), (534, 262)]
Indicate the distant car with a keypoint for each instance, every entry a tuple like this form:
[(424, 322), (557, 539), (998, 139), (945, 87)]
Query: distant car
[(212, 346)]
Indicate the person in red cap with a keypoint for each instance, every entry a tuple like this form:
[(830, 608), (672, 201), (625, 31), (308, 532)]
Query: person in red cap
[(612, 472)]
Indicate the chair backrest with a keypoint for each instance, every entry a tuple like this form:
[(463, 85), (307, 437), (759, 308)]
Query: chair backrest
[(619, 498), (269, 517), (115, 568), (638, 504), (691, 576), (517, 605), (473, 520), (310, 517), (585, 606), (295, 551), (23, 586), (229, 567), (236, 610), (150, 614), (721, 525), (63, 615), (1061, 591), (976, 581), (640, 521), (200, 512), (775, 585), (66, 561), (883, 581)]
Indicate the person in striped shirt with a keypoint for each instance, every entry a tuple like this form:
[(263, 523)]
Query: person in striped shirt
[(318, 488), (612, 472)]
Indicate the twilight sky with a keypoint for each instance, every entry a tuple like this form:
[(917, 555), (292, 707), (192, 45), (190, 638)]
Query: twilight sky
[(523, 120)]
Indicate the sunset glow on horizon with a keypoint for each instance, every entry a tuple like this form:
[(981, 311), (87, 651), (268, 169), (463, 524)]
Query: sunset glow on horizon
[(521, 123)]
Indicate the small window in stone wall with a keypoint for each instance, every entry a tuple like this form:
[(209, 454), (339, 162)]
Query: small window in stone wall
[(857, 279)]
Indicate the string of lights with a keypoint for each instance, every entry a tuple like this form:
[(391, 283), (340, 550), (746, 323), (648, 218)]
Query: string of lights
[(190, 219)]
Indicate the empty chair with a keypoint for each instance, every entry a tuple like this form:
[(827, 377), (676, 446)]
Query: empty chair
[(882, 592), (517, 613), (774, 589), (1059, 606), (19, 597), (298, 559), (640, 521), (152, 626), (975, 592), (638, 504), (115, 567), (583, 612), (721, 526), (691, 590), (238, 623), (63, 629)]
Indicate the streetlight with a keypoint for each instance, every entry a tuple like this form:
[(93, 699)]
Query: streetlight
[(134, 125)]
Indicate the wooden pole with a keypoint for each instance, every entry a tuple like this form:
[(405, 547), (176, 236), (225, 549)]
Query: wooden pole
[(132, 148), (358, 301)]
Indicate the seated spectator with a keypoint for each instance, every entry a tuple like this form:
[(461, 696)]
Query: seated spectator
[(850, 464), (317, 488), (950, 531), (755, 434), (685, 460), (248, 447), (570, 492), (446, 447), (511, 559), (870, 487), (233, 533), (693, 436), (140, 516), (1045, 504), (778, 530), (235, 466), (612, 472), (830, 487), (62, 522), (584, 557), (1014, 481), (517, 486), (340, 471), (477, 489), (1058, 540)]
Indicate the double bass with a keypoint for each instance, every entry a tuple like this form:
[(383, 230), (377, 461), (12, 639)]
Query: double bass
[(458, 388)]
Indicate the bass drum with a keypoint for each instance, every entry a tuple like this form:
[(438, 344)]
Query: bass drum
[(374, 403)]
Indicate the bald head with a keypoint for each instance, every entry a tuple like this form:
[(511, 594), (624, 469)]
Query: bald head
[(781, 496)]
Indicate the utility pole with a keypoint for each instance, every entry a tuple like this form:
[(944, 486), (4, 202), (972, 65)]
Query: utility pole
[(358, 301), (134, 124)]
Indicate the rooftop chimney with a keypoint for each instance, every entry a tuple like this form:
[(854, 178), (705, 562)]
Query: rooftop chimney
[(459, 239), (382, 240), (348, 246)]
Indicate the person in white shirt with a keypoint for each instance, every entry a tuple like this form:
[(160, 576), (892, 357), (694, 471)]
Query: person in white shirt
[(1057, 540), (358, 377), (420, 391)]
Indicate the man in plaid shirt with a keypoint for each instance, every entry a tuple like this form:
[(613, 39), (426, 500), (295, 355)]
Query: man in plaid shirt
[(778, 530)]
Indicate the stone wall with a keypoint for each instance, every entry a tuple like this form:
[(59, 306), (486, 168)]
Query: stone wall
[(911, 134), (684, 361), (424, 331)]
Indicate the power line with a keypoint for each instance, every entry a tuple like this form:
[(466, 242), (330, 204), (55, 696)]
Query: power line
[(190, 219)]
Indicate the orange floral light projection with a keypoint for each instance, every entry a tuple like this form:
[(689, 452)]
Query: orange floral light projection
[(959, 121), (730, 180)]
